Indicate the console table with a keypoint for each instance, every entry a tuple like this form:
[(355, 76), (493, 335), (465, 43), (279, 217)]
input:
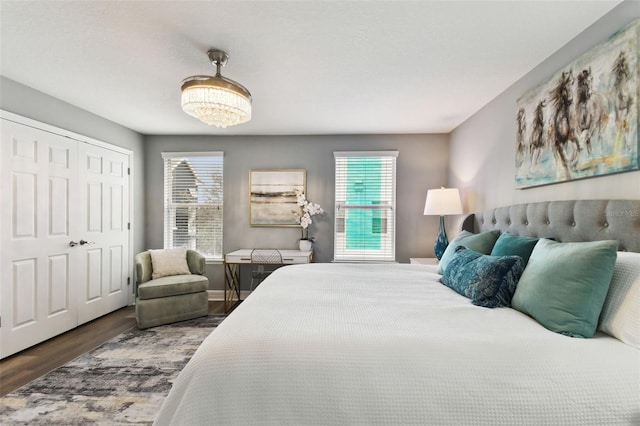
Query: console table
[(234, 260)]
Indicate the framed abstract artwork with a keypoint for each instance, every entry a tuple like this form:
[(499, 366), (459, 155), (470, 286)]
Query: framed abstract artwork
[(583, 121), (272, 197)]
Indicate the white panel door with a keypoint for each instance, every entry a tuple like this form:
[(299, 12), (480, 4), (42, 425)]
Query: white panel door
[(104, 235), (64, 232), (38, 173)]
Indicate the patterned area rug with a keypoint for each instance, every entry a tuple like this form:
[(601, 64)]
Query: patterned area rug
[(122, 382)]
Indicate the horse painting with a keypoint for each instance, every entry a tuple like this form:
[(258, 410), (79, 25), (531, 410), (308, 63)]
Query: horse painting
[(583, 120)]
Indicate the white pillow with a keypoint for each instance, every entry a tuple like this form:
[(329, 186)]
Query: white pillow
[(169, 262), (620, 315)]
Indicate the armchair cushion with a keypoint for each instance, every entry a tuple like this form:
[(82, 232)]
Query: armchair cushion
[(169, 262), (172, 286)]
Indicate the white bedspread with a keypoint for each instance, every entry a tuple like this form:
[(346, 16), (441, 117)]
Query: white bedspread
[(338, 344)]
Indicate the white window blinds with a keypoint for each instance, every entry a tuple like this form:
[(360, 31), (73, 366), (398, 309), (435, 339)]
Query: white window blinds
[(193, 194), (365, 206)]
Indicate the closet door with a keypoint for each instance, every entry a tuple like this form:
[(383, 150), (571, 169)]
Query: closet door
[(64, 233), (38, 219), (104, 255)]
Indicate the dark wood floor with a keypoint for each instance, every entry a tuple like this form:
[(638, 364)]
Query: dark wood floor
[(23, 367)]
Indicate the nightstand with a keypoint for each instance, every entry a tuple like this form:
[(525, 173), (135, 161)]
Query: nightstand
[(423, 260)]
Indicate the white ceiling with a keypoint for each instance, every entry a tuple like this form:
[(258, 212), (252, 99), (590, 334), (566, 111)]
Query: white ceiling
[(313, 67)]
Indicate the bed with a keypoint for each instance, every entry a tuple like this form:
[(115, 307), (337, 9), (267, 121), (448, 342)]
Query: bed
[(390, 344)]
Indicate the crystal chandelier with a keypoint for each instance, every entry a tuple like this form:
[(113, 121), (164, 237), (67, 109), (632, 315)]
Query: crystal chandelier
[(217, 101)]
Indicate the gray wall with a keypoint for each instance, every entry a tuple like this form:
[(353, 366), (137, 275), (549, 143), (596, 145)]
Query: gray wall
[(483, 148), (422, 164), (30, 103)]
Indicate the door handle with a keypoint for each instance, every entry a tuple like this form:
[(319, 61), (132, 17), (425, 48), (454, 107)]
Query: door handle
[(83, 242), (72, 243)]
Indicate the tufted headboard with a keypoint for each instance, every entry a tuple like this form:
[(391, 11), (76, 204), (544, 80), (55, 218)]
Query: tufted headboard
[(565, 221)]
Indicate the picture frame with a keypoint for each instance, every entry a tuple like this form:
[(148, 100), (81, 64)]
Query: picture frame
[(583, 121), (272, 196)]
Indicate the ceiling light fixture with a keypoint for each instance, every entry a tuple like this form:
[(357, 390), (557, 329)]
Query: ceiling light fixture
[(217, 101)]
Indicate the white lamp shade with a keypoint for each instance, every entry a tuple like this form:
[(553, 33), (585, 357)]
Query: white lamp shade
[(442, 202)]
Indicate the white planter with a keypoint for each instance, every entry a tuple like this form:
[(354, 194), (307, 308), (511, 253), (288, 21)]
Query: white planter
[(305, 245)]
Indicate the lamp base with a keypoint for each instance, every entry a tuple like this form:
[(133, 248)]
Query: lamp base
[(441, 242)]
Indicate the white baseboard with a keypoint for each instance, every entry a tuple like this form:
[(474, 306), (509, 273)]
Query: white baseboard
[(218, 295)]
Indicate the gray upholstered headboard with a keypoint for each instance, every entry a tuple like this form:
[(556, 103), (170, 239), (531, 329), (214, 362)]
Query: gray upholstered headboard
[(565, 221)]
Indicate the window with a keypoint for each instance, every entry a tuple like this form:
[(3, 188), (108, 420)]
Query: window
[(193, 194), (365, 206)]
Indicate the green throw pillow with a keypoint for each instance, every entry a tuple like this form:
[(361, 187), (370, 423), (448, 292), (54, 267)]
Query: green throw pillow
[(564, 285), (482, 243), (514, 245)]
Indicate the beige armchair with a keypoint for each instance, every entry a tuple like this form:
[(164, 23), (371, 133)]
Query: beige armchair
[(171, 298)]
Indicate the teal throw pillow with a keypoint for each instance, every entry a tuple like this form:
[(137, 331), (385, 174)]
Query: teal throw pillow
[(488, 281), (514, 245), (564, 285), (482, 243)]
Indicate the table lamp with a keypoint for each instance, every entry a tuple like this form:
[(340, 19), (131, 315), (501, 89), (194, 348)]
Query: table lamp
[(443, 201)]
